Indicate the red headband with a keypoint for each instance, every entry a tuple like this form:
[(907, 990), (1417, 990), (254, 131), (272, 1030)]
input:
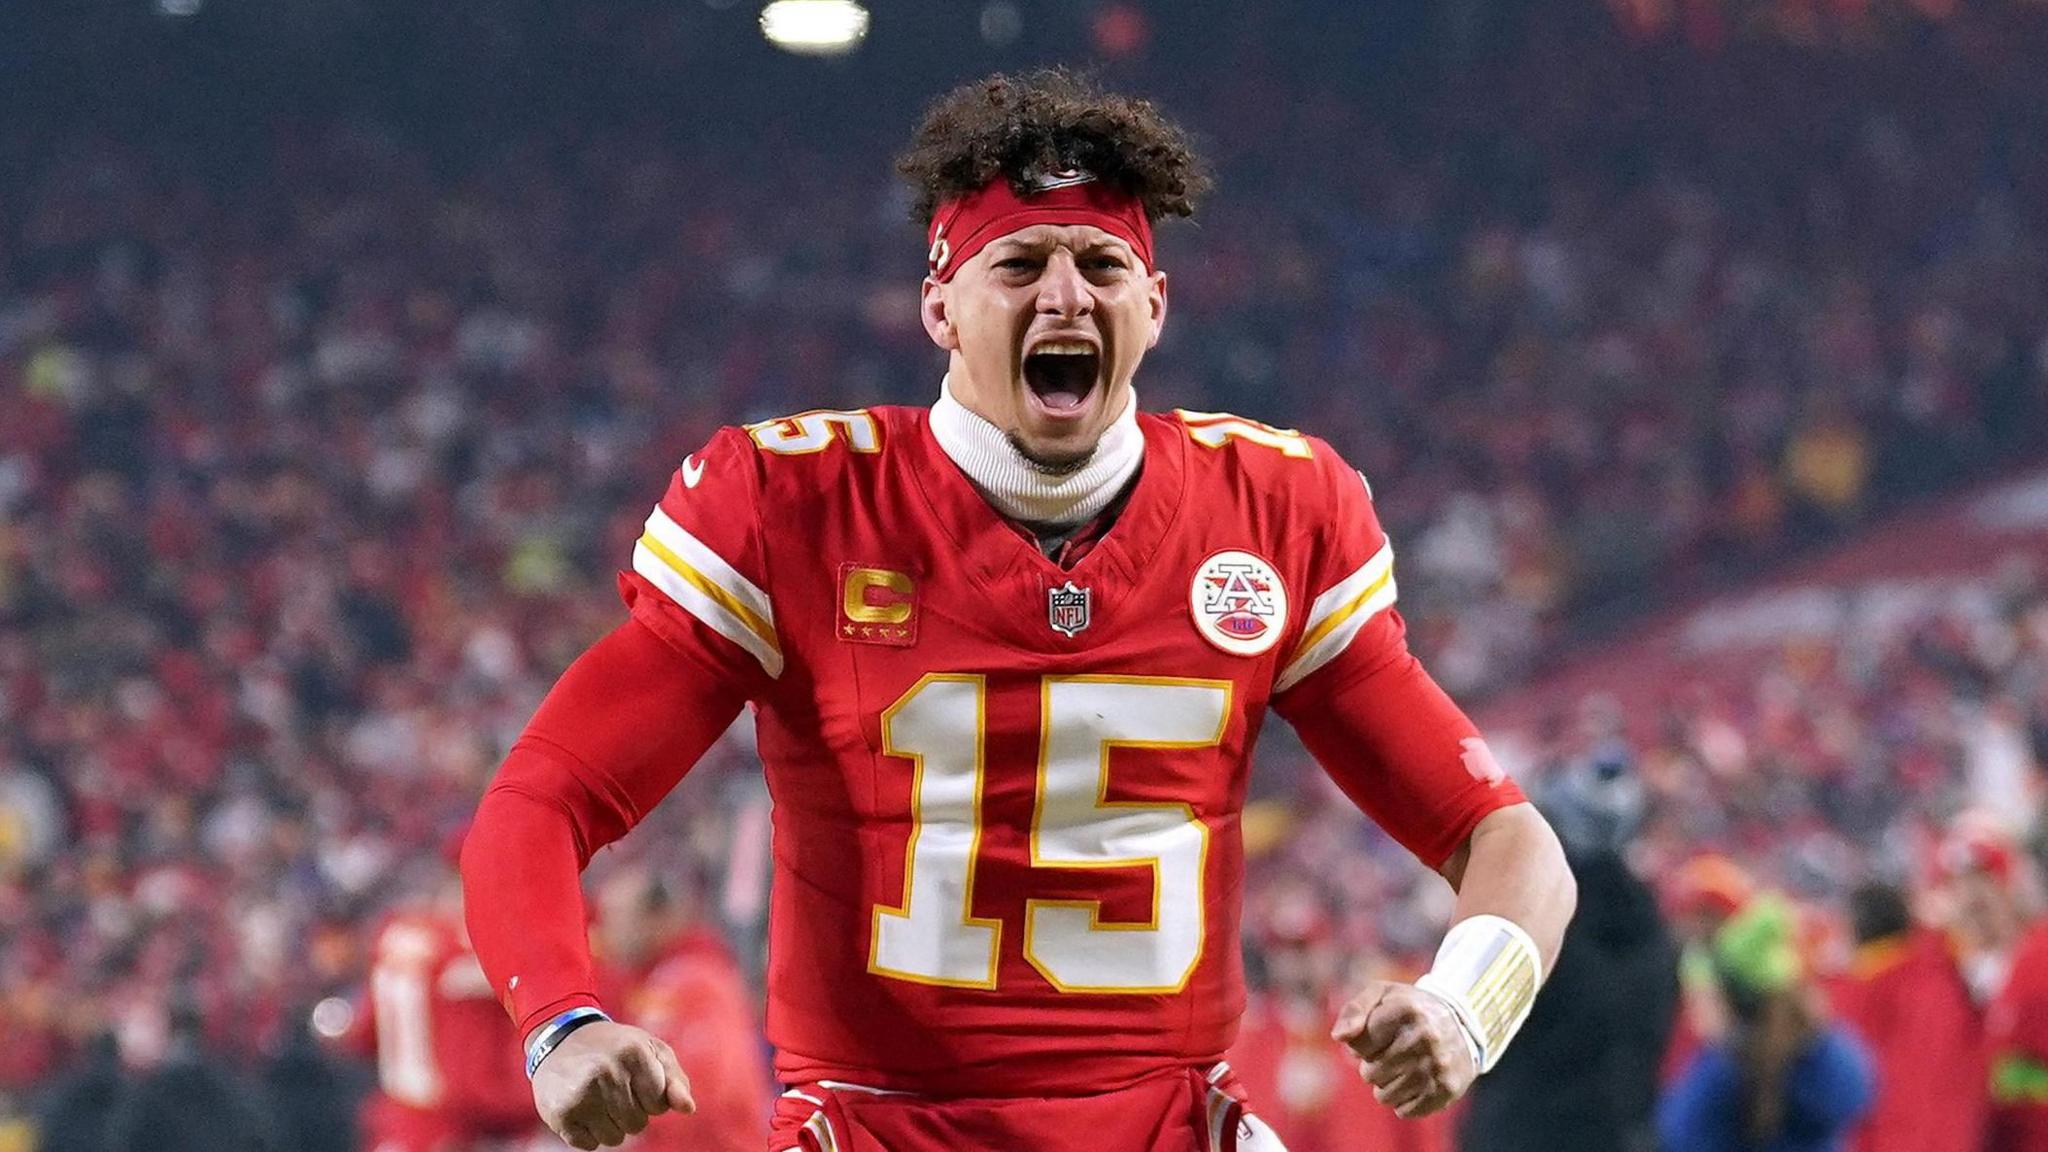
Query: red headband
[(965, 225)]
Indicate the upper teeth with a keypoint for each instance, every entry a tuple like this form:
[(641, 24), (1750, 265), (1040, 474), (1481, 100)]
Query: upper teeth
[(1064, 348)]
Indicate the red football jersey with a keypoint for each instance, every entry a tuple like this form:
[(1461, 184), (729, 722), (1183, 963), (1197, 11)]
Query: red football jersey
[(444, 1047), (1007, 792)]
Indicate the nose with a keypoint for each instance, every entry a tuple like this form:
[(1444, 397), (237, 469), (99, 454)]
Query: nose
[(1062, 289)]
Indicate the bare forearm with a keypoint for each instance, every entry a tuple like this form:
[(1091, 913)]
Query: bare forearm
[(1513, 867)]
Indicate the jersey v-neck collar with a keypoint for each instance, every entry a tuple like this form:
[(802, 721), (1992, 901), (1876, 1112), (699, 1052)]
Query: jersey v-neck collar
[(994, 548)]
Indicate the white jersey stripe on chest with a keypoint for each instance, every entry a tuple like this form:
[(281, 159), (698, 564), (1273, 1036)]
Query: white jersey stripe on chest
[(1338, 614), (704, 585)]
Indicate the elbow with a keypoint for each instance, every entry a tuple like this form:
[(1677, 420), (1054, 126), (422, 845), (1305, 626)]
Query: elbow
[(477, 861), (1537, 848), (1559, 886), (1565, 882), (472, 860)]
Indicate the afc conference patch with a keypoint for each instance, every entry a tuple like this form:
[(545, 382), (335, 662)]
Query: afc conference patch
[(1239, 603)]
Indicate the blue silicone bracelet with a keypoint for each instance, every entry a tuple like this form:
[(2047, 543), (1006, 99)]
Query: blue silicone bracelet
[(557, 1030)]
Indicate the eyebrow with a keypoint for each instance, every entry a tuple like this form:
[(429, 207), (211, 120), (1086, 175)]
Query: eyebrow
[(1013, 246)]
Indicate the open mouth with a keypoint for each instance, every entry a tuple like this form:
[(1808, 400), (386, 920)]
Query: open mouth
[(1062, 380)]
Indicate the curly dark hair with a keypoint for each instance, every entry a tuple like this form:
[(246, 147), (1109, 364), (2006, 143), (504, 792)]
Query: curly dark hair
[(1045, 121)]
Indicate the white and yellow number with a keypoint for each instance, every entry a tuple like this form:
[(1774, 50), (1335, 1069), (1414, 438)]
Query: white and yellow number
[(399, 997), (808, 432), (1215, 429), (932, 937)]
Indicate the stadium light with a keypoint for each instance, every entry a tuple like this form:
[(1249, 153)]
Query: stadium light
[(815, 27)]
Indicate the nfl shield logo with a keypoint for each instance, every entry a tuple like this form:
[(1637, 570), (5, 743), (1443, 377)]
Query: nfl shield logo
[(1066, 608)]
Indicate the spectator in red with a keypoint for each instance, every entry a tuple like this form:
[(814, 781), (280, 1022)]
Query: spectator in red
[(1905, 997), (1987, 897), (449, 1072), (1991, 889), (672, 974)]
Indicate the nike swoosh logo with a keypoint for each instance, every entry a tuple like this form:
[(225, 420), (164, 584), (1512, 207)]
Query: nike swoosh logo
[(693, 471)]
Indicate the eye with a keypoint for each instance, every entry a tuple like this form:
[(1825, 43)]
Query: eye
[(1104, 263), (1017, 263)]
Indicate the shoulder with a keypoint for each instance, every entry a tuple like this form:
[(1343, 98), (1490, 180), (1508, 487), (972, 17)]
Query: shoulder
[(1278, 470), (806, 452)]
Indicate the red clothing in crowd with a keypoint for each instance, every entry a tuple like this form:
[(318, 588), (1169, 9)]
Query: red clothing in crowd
[(1307, 1087), (695, 998), (1905, 998), (2016, 1025), (449, 1065)]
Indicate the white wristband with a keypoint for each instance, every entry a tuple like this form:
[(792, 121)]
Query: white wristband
[(1488, 971)]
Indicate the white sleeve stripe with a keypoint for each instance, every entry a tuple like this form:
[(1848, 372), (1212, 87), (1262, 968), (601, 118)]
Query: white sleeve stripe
[(694, 593), (1335, 620), (1347, 589), (713, 566), (801, 1095)]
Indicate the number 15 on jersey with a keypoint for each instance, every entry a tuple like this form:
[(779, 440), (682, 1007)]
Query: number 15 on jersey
[(932, 935)]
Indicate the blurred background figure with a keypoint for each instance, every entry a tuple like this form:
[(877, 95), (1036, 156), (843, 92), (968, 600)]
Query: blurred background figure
[(666, 968), (1904, 996), (74, 1115), (1306, 1088), (449, 1074), (1704, 894), (1782, 1078), (1986, 890), (1992, 891), (313, 1097), (190, 1101), (1608, 1010)]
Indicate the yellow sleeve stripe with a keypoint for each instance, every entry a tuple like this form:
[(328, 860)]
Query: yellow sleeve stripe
[(820, 1129), (1338, 614), (705, 586)]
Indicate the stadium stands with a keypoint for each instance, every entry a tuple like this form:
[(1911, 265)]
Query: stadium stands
[(317, 456)]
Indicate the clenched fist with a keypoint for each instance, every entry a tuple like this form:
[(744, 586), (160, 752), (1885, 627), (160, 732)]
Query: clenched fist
[(604, 1080), (1409, 1045)]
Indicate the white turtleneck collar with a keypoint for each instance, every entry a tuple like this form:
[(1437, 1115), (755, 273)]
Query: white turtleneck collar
[(1017, 488)]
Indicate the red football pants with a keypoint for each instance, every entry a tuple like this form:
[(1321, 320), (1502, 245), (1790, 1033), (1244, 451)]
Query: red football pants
[(1184, 1110)]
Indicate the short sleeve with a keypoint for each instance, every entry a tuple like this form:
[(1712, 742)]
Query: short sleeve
[(700, 574), (1351, 626)]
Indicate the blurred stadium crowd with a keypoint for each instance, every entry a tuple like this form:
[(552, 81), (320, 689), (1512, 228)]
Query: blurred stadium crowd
[(317, 455)]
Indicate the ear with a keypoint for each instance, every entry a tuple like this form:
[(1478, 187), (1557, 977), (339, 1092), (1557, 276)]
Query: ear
[(1155, 296), (932, 308)]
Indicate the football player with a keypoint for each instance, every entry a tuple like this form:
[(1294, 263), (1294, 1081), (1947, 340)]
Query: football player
[(448, 1078), (1008, 656)]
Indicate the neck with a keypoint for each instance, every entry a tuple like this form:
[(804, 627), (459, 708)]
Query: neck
[(1018, 488)]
